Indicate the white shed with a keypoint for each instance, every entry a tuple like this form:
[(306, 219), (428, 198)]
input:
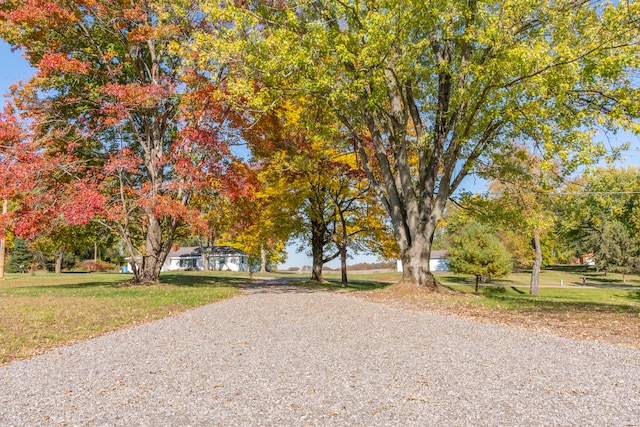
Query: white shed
[(439, 261)]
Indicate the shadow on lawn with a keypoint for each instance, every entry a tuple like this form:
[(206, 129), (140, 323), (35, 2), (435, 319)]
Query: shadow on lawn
[(545, 305), (462, 280), (178, 280), (577, 269), (601, 280), (200, 280), (352, 285)]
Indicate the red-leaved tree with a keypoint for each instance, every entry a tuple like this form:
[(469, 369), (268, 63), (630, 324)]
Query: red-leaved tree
[(122, 134)]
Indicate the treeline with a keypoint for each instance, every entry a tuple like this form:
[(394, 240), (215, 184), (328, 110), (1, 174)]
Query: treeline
[(354, 267), (594, 217)]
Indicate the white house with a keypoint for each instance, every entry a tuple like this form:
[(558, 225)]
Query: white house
[(222, 258), (439, 261)]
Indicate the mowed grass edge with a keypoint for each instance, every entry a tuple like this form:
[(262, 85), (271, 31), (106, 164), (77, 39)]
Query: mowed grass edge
[(603, 311), (513, 292), (46, 311)]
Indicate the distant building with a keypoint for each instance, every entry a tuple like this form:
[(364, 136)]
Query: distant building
[(587, 259), (439, 261)]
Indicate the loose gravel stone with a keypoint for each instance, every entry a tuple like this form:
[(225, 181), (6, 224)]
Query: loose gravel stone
[(285, 356)]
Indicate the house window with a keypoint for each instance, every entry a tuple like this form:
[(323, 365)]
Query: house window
[(188, 263), (221, 260)]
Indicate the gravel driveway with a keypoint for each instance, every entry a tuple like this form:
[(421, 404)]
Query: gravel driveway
[(283, 356)]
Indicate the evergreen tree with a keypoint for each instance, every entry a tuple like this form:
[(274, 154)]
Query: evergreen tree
[(476, 251), (21, 257), (614, 249)]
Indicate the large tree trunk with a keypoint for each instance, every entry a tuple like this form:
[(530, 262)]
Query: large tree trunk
[(537, 263), (415, 263), (59, 258), (146, 269), (263, 259), (317, 253), (343, 265), (415, 267)]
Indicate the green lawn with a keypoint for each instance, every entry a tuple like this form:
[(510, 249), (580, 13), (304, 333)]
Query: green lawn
[(557, 299), (48, 310), (602, 295), (557, 276), (551, 276)]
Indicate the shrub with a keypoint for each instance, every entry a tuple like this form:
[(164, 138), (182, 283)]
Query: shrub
[(98, 266)]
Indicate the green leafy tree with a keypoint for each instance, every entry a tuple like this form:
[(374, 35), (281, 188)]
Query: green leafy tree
[(521, 198), (428, 90), (599, 196), (21, 257), (614, 249), (476, 251)]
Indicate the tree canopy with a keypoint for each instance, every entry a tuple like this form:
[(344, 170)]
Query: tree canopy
[(121, 132), (130, 116), (427, 91)]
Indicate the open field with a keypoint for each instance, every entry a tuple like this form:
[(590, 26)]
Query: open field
[(45, 311)]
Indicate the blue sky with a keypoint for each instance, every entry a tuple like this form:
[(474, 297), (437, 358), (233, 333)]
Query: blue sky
[(14, 67)]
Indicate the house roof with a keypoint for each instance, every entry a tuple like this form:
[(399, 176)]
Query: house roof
[(195, 251), (439, 254)]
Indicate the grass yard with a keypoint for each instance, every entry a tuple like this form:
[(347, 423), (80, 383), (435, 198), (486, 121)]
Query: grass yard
[(553, 276), (607, 310), (45, 311)]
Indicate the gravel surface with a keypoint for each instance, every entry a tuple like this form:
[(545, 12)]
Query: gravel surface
[(283, 356)]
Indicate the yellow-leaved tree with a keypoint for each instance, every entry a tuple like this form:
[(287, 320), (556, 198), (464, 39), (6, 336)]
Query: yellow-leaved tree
[(450, 84)]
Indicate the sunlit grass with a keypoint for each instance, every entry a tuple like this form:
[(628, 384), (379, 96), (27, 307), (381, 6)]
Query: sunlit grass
[(556, 299), (603, 295), (47, 310), (553, 276)]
